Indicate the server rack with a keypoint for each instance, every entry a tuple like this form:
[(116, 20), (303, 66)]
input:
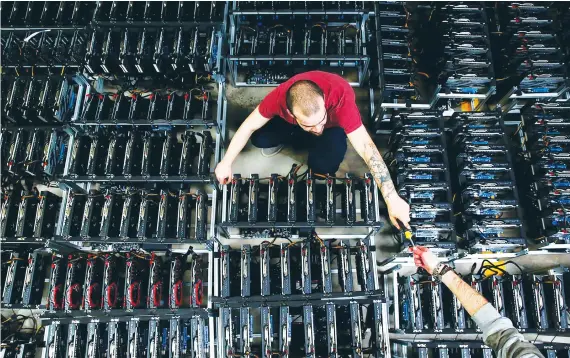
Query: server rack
[(467, 77), (71, 120), (542, 140), (298, 201), (489, 200), (536, 51), (421, 170), (403, 70), (334, 36), (423, 308)]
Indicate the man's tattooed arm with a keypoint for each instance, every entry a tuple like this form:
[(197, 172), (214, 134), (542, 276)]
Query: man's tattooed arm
[(398, 209), (379, 170)]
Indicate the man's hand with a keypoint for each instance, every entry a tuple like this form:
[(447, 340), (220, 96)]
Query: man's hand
[(424, 258), (223, 172), (398, 210), (252, 123)]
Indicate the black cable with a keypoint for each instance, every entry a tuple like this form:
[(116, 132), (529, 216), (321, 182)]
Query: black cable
[(514, 263)]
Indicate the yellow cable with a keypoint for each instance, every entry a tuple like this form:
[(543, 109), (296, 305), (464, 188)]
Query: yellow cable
[(320, 240)]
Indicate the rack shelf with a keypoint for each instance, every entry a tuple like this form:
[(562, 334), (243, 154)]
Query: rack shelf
[(139, 179)]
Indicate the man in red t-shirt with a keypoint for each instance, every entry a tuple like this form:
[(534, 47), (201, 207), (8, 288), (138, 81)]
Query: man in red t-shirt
[(314, 110)]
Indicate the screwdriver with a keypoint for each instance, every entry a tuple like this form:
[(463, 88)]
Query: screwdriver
[(408, 236), (407, 233)]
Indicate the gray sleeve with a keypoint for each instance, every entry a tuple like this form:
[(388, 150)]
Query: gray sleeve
[(501, 336)]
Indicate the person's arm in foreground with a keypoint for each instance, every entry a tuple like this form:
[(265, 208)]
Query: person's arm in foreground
[(365, 147), (252, 123), (498, 331)]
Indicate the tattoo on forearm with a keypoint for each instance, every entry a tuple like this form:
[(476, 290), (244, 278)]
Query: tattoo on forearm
[(379, 170)]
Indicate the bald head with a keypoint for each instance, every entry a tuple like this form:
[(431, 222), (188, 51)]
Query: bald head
[(305, 98)]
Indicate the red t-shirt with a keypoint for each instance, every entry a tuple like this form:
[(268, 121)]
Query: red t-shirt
[(339, 100)]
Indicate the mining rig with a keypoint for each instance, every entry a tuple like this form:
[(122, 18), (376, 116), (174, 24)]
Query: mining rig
[(270, 41), (118, 242), (114, 119)]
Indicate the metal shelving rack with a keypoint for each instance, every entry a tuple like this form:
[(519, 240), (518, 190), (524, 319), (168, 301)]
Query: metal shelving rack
[(477, 100), (525, 51), (281, 300), (476, 237), (288, 237), (360, 62), (77, 72), (426, 131), (537, 207), (395, 272), (386, 101)]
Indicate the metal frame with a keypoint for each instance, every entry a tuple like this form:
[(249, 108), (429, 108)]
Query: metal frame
[(381, 102), (83, 184), (233, 59)]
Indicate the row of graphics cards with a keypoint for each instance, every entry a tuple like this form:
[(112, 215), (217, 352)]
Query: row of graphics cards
[(167, 12), (79, 13), (547, 136), (55, 99), (465, 349), (535, 53), (135, 213), (135, 106), (301, 199), (331, 329), (46, 13), (130, 51), (108, 153), (273, 47), (487, 196), (420, 165), (320, 38), (144, 50), (294, 292), (297, 270), (133, 338), (309, 6), (270, 41), (35, 100), (28, 213), (38, 153), (401, 56), (534, 303), (468, 70), (102, 282), (115, 214)]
